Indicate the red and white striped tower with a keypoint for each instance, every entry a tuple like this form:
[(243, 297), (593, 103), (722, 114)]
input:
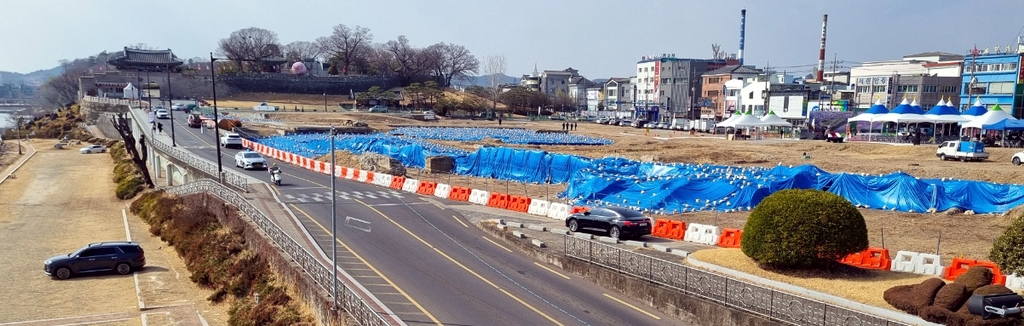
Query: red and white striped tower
[(821, 53)]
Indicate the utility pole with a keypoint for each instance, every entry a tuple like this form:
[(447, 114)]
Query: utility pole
[(334, 226), (216, 129), (170, 102)]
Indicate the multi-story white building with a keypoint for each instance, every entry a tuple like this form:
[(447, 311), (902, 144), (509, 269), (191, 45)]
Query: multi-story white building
[(618, 94), (669, 83), (926, 76)]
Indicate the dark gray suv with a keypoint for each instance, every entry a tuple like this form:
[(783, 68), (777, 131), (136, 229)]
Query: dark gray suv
[(120, 256)]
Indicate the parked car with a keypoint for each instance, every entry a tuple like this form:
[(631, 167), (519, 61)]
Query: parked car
[(250, 160), (119, 256), (162, 114), (231, 140), (616, 221), (378, 109), (93, 149), (1017, 158)]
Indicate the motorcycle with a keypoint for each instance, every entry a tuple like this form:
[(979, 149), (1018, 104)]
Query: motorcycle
[(275, 177)]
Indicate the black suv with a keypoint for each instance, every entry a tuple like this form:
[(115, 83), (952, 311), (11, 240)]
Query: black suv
[(120, 256)]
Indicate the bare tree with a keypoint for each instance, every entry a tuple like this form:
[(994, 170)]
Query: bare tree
[(495, 67), (409, 61), (716, 52), (138, 155), (251, 44), (63, 89), (141, 46), (302, 50), (450, 61), (346, 44)]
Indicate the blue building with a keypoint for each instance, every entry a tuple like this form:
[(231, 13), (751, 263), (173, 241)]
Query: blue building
[(997, 79)]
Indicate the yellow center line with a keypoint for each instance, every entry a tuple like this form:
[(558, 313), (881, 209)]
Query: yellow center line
[(631, 306), (385, 278), (496, 244), (551, 270), (467, 269), (460, 221)]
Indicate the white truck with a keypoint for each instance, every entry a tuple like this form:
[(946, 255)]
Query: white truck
[(962, 150)]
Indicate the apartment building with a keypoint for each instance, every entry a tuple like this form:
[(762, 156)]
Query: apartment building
[(669, 83), (713, 90), (928, 77)]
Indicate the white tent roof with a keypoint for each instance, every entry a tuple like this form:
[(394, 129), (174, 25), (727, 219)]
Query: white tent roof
[(773, 120), (746, 120), (868, 116), (902, 117), (728, 122), (994, 115), (129, 87)]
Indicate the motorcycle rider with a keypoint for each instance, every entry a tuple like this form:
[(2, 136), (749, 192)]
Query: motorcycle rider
[(274, 169)]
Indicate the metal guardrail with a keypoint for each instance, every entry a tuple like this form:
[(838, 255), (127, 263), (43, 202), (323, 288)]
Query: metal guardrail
[(775, 305), (106, 100), (351, 302)]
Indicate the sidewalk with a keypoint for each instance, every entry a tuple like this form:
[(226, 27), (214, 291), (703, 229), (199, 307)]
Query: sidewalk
[(27, 152)]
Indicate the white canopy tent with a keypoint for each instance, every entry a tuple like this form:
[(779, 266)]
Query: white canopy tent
[(773, 120), (743, 121), (995, 115), (905, 112), (130, 92)]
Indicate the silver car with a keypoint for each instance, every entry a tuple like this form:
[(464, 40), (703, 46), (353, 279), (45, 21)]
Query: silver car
[(250, 160)]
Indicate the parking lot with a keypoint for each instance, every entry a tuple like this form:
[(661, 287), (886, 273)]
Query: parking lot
[(59, 201)]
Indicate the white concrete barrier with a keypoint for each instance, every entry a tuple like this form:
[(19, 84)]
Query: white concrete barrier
[(929, 264), (442, 190), (361, 177), (904, 261), (326, 169), (1014, 282), (693, 232), (917, 263), (559, 211), (709, 235), (479, 197), (538, 207), (411, 185), (383, 180), (350, 173)]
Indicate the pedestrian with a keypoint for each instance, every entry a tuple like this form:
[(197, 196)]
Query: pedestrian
[(573, 126), (154, 126), (160, 126), (499, 120)]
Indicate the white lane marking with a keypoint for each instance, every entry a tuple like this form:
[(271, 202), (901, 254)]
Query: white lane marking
[(127, 232), (135, 275), (348, 222)]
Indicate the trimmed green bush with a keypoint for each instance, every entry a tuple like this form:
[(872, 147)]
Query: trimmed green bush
[(802, 228), (1006, 250)]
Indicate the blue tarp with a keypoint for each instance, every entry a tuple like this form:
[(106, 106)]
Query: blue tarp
[(675, 187)]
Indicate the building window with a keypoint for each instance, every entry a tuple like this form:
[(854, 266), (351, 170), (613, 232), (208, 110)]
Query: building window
[(1001, 88), (664, 80), (713, 93), (950, 89), (878, 89), (611, 93), (750, 95), (907, 88), (863, 89), (662, 68), (930, 88), (661, 92), (639, 70), (563, 82)]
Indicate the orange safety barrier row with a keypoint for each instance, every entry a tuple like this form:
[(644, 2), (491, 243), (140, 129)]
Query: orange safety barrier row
[(369, 177), (669, 229), (660, 228), (871, 258), (426, 188), (519, 203), (459, 194), (961, 265), (578, 209), (730, 238), (397, 183), (498, 200), (344, 170)]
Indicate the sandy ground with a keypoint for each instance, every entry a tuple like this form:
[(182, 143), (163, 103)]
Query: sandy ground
[(60, 201)]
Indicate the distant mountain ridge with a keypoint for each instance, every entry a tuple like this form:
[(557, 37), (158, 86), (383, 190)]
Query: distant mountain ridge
[(484, 80), (34, 78)]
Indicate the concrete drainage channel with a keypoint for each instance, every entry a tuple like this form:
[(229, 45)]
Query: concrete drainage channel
[(504, 225)]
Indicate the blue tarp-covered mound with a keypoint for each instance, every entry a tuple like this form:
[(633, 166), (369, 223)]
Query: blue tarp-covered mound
[(688, 188), (520, 165), (517, 136), (410, 152), (673, 187)]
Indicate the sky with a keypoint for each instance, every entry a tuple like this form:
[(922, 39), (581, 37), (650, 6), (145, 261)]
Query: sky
[(600, 38)]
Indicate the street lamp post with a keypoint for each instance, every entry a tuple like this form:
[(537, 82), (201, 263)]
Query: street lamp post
[(19, 135), (334, 225), (216, 129), (170, 102)]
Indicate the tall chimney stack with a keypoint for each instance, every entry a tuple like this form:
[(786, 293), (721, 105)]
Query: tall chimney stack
[(743, 32), (821, 53)]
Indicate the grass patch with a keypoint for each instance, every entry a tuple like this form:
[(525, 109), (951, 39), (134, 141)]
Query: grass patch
[(860, 285), (219, 259)]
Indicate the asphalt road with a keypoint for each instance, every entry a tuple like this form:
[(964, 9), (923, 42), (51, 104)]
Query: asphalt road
[(425, 262)]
